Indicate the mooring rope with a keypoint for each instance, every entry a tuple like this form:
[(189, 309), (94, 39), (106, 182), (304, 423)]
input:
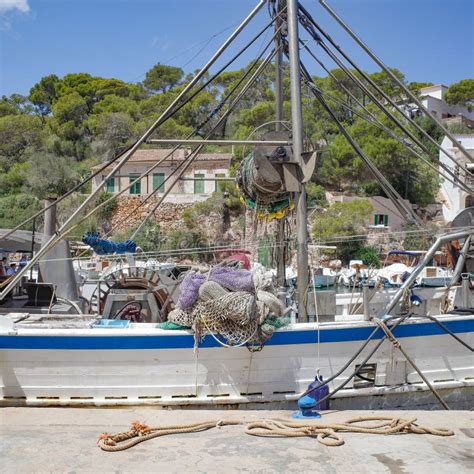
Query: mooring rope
[(325, 433)]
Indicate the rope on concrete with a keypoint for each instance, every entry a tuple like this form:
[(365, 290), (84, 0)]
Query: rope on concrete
[(325, 433)]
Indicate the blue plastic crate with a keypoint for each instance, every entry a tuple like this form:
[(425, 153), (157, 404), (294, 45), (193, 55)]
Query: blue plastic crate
[(111, 323)]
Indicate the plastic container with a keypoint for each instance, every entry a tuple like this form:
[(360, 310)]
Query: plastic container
[(112, 324)]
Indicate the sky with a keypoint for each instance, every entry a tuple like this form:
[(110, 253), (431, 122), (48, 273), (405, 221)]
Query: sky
[(428, 40)]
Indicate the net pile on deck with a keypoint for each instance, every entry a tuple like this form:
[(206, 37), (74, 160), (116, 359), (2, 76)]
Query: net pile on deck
[(234, 304)]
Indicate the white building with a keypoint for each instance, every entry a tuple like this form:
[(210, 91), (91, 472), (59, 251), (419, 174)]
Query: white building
[(201, 179), (454, 199), (432, 98)]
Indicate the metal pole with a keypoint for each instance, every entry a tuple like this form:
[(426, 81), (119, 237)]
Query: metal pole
[(460, 263), (55, 238), (366, 301), (280, 234), (395, 78), (426, 260), (297, 136), (465, 278), (171, 141), (33, 244)]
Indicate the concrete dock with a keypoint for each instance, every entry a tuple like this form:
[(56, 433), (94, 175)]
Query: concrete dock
[(37, 440)]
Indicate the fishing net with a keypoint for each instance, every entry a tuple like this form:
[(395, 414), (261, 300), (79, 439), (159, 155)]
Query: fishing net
[(226, 304), (233, 279), (258, 196)]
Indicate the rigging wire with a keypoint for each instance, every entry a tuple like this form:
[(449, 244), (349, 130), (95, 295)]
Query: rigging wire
[(230, 108), (387, 70), (210, 116), (308, 20), (387, 187), (372, 119)]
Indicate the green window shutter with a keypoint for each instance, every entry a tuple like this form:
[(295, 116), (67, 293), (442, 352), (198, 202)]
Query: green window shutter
[(385, 220), (136, 188), (110, 185), (220, 184), (198, 183), (376, 219), (159, 182)]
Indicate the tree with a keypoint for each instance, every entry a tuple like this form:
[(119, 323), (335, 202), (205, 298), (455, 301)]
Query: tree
[(54, 175), (316, 195), (43, 94), (369, 255), (344, 222), (417, 86), (161, 77), (16, 208), (461, 93), (18, 134)]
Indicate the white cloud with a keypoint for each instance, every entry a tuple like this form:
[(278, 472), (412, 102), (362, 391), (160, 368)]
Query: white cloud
[(20, 5)]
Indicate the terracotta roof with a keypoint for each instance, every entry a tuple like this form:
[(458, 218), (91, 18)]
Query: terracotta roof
[(151, 156)]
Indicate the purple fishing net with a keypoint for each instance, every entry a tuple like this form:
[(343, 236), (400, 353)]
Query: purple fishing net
[(233, 279), (230, 278), (189, 289)]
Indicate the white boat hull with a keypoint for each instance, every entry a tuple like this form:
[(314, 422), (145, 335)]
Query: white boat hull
[(145, 365)]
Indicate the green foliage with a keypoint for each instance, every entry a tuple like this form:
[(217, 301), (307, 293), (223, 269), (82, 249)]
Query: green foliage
[(316, 195), (150, 238), (417, 86), (13, 180), (414, 240), (44, 93), (16, 208), (53, 175), (344, 219), (82, 120), (161, 77), (459, 129), (369, 256), (229, 197), (461, 93), (106, 211), (18, 135), (186, 239)]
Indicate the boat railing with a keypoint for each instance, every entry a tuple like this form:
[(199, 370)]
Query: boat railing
[(441, 240)]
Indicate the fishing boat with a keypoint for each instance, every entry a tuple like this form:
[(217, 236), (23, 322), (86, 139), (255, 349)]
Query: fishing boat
[(140, 341)]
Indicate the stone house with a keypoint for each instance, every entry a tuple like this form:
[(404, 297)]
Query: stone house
[(386, 215), (199, 181)]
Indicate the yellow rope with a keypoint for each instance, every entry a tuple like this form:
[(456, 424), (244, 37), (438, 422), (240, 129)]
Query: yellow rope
[(325, 433)]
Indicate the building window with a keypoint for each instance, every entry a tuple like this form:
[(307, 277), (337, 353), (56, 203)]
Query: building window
[(159, 182), (381, 219), (198, 183), (110, 185), (220, 184), (136, 188)]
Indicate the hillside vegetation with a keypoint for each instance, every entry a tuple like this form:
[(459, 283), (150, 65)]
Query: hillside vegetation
[(50, 139)]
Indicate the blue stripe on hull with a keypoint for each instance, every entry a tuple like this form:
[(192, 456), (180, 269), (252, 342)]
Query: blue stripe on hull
[(180, 341)]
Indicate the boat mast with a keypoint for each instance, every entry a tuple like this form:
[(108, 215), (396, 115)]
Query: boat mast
[(280, 237), (297, 138)]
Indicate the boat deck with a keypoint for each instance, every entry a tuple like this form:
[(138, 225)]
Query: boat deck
[(60, 440)]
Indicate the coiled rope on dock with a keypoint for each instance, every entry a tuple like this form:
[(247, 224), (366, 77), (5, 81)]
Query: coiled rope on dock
[(325, 433)]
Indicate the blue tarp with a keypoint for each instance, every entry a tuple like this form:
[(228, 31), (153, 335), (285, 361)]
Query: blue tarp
[(104, 247)]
